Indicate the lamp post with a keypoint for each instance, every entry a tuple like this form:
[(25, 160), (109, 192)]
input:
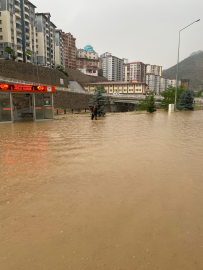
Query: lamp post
[(178, 63)]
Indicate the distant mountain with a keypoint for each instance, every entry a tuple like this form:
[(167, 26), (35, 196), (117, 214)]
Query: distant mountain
[(190, 68), (195, 53)]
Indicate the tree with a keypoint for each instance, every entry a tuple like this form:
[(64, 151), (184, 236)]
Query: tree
[(186, 101), (99, 100), (13, 56), (9, 50), (148, 104), (169, 95)]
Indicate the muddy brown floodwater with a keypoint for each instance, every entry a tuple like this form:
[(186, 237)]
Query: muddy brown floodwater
[(121, 193)]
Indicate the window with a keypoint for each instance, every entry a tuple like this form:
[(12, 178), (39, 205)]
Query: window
[(0, 21), (1, 37), (0, 29), (0, 12), (2, 52)]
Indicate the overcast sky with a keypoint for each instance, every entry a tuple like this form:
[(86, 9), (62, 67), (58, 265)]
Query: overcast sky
[(139, 30)]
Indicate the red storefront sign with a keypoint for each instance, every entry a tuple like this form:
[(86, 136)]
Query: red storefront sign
[(27, 88)]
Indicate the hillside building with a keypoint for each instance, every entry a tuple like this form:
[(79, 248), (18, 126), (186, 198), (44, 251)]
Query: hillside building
[(132, 87), (45, 39), (87, 61), (17, 29), (59, 48), (134, 71), (69, 50), (112, 67)]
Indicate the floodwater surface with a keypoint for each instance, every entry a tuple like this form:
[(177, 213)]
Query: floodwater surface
[(121, 193)]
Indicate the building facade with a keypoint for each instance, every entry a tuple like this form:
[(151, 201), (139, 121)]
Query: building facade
[(87, 61), (17, 29), (156, 70), (134, 71), (45, 39), (59, 48), (153, 82), (119, 87), (69, 50), (112, 67)]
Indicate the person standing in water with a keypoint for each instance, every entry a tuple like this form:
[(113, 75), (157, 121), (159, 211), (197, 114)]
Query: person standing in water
[(94, 112)]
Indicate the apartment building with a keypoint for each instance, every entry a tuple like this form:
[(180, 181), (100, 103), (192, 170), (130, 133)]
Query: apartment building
[(134, 71), (153, 82), (69, 50), (59, 48), (87, 61), (45, 39), (112, 67), (17, 29), (132, 87), (162, 83), (172, 82), (156, 70)]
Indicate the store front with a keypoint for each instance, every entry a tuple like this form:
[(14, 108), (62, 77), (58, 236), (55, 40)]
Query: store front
[(26, 102)]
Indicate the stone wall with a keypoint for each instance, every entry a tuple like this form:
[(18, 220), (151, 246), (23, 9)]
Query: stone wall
[(71, 100), (43, 75), (76, 75), (32, 73)]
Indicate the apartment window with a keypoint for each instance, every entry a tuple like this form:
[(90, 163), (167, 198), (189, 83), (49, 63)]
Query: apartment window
[(0, 12), (0, 21), (2, 52), (1, 37), (36, 40), (0, 29)]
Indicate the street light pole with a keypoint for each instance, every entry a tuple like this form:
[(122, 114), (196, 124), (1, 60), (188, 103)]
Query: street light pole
[(178, 64)]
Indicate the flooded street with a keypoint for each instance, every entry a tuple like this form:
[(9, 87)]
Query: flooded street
[(121, 193)]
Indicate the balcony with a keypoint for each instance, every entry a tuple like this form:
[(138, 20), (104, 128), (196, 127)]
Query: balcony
[(26, 6), (27, 34), (17, 7), (18, 16), (28, 48)]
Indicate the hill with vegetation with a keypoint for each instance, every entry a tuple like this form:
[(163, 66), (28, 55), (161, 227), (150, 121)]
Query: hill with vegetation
[(190, 68)]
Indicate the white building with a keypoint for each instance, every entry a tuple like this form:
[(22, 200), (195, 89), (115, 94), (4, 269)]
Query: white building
[(59, 48), (112, 67), (17, 29), (45, 38), (153, 82), (156, 70)]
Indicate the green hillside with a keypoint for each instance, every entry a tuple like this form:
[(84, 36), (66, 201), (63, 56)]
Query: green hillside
[(190, 68)]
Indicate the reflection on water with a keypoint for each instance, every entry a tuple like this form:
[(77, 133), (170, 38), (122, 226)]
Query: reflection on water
[(124, 192)]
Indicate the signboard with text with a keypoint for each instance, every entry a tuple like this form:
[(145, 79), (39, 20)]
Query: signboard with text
[(27, 88)]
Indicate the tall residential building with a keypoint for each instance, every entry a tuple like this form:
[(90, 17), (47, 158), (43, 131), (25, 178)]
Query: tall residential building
[(162, 83), (156, 70), (112, 67), (17, 29), (69, 50), (45, 39), (59, 48), (153, 82), (134, 71), (87, 61)]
